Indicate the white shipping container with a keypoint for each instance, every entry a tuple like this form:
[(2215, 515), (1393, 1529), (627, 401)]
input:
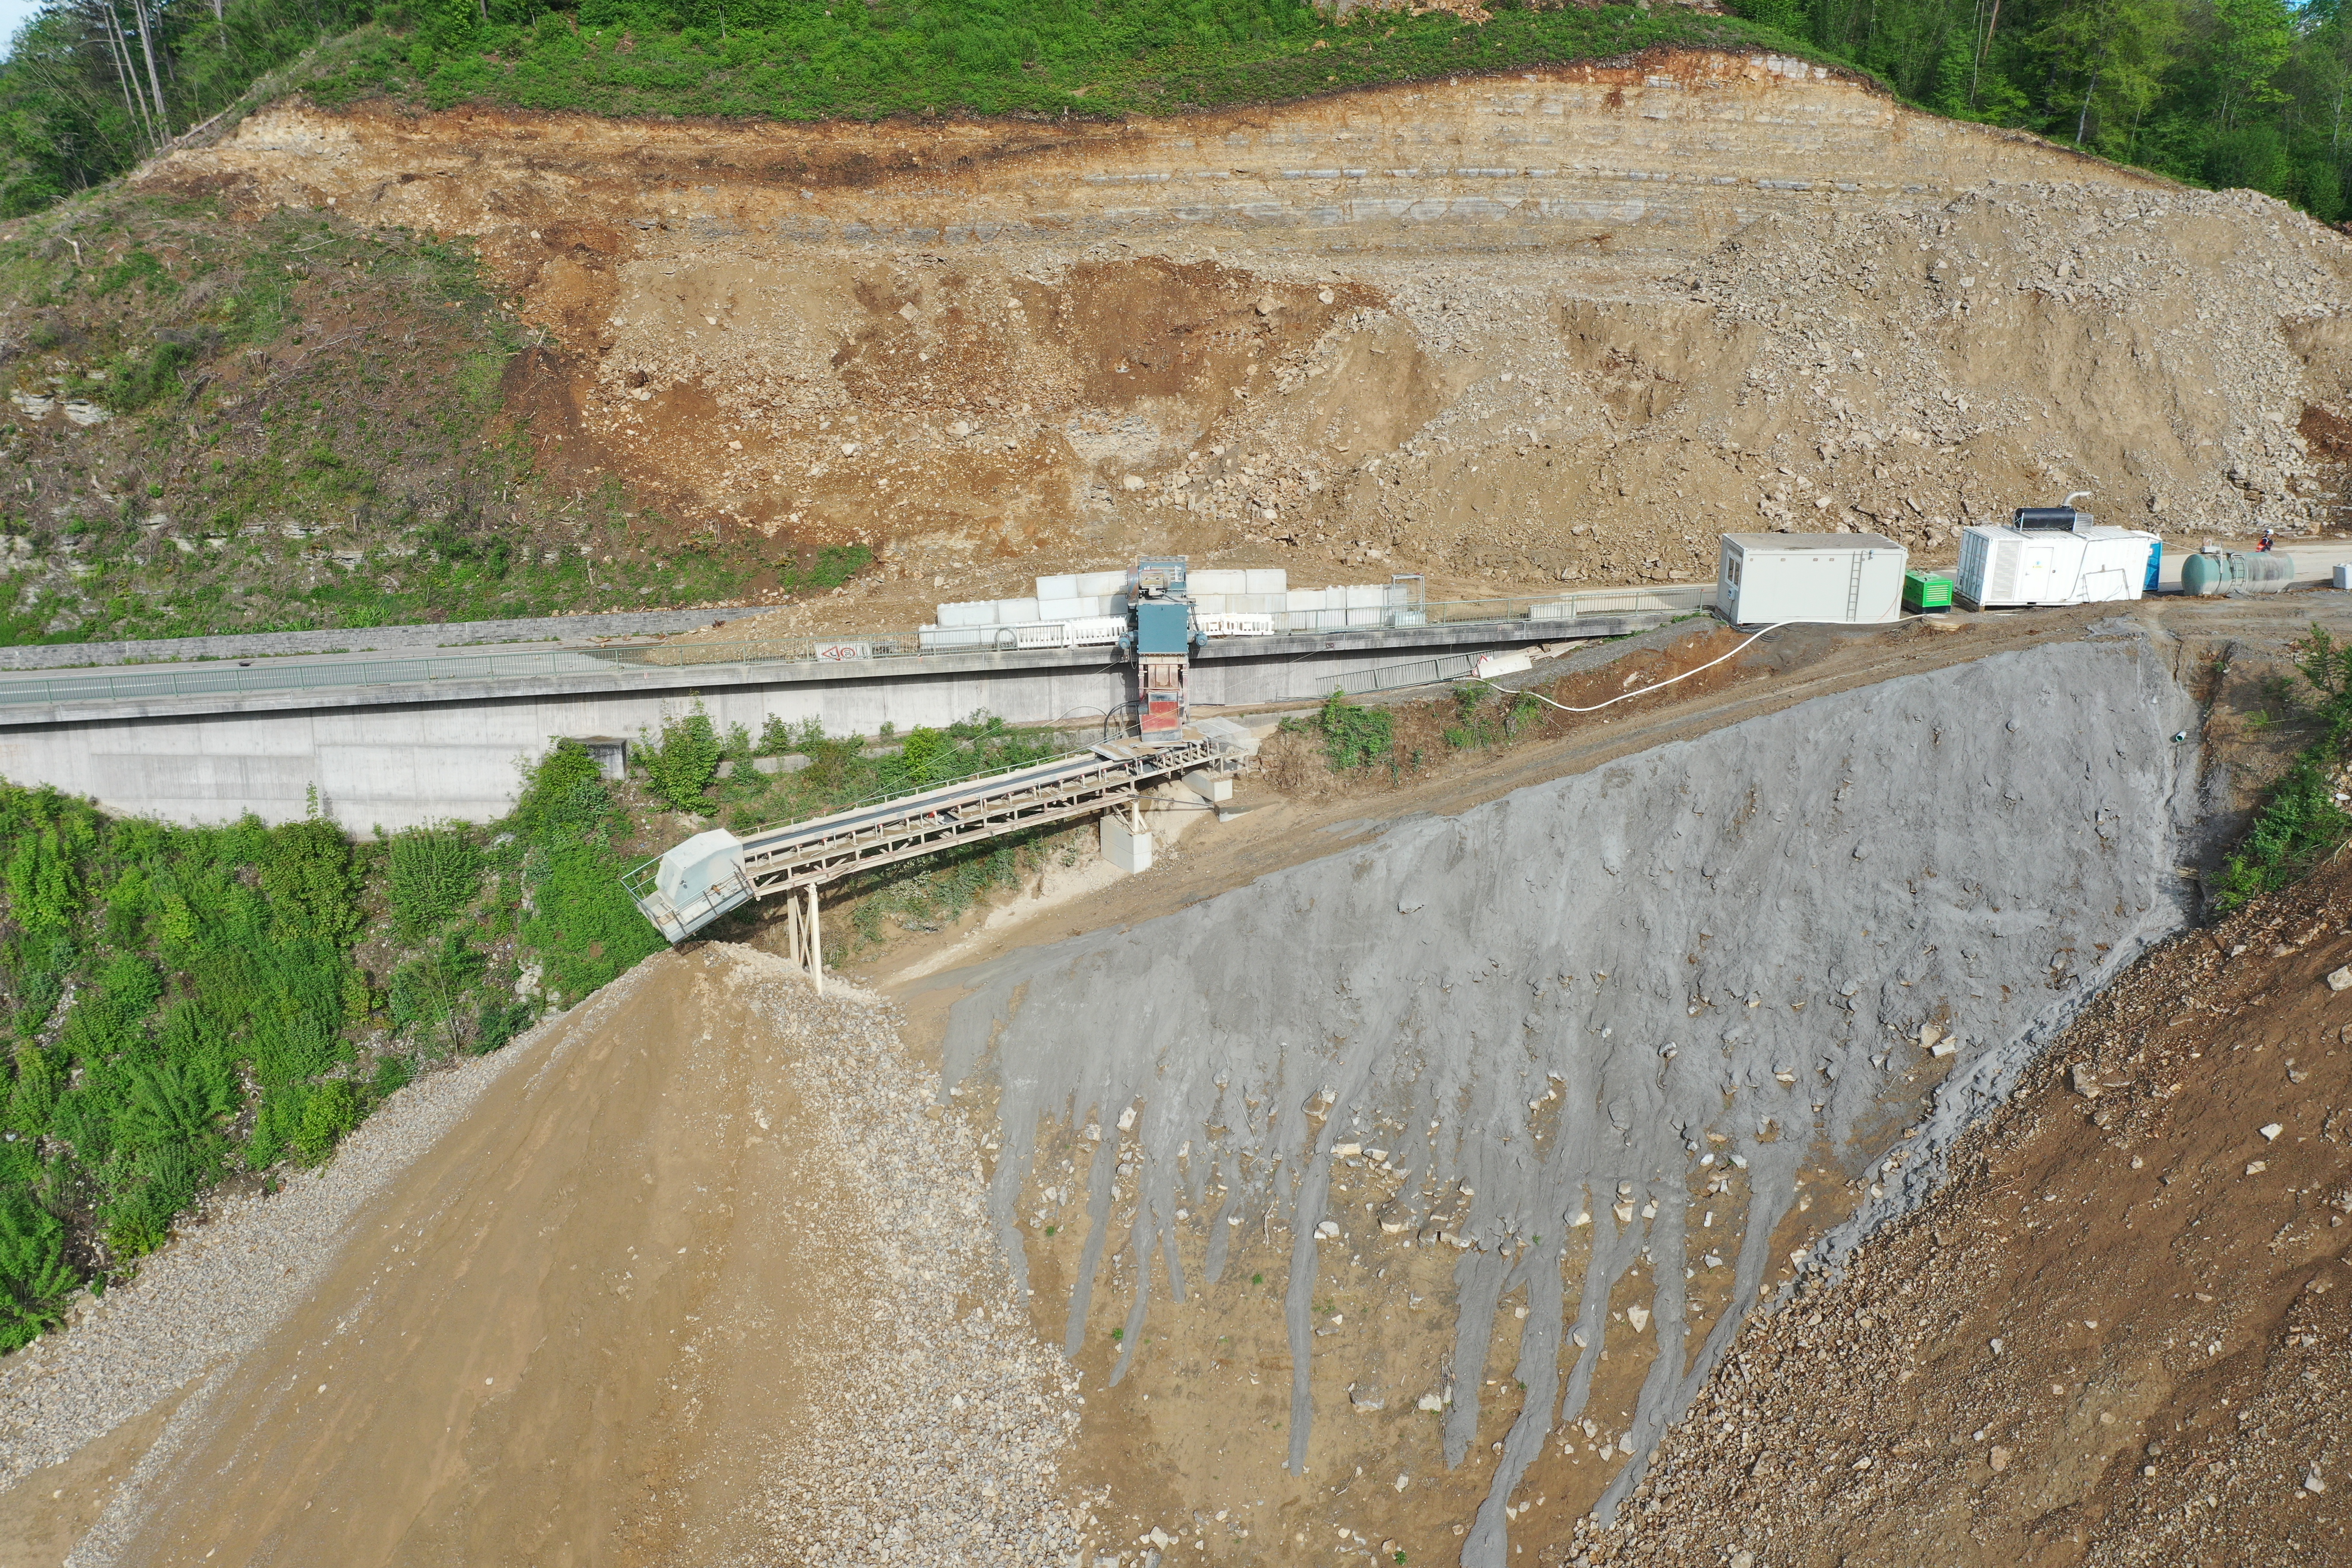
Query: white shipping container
[(1852, 579), (2002, 565)]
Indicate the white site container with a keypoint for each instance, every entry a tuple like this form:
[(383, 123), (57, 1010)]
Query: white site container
[(2002, 565), (1852, 579)]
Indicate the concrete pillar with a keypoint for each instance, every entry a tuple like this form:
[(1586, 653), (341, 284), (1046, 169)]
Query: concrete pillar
[(1126, 843)]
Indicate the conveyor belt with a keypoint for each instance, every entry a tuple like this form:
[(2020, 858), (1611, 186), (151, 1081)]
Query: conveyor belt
[(809, 854)]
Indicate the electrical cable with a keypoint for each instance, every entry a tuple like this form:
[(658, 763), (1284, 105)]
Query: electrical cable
[(1661, 686)]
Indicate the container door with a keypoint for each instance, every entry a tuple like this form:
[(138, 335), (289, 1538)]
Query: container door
[(2037, 565)]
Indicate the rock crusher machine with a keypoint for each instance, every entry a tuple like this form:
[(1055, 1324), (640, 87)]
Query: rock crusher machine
[(1162, 634)]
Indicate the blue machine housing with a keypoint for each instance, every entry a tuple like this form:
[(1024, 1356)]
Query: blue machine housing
[(1163, 627)]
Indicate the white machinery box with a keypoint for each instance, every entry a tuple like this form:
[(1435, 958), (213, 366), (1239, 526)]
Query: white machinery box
[(2002, 564)]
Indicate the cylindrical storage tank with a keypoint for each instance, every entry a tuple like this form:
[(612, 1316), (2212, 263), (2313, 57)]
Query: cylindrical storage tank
[(2200, 574), (2267, 572)]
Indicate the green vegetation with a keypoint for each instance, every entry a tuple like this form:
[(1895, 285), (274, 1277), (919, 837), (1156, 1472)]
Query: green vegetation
[(71, 117), (816, 773), (2213, 92), (2301, 824), (307, 433), (181, 1004), (1353, 736), (159, 984)]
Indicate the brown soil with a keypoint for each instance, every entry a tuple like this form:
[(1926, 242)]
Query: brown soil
[(2118, 1337), (548, 1344), (991, 348)]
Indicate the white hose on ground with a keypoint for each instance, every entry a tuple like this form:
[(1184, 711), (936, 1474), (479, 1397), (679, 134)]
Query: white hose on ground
[(1661, 686)]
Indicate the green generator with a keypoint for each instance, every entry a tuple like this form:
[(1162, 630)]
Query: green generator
[(1926, 591)]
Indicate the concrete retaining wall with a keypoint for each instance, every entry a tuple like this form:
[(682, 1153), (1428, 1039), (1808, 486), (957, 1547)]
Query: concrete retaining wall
[(395, 764)]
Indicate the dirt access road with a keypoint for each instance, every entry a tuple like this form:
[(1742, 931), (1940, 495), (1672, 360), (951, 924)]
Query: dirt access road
[(1313, 813)]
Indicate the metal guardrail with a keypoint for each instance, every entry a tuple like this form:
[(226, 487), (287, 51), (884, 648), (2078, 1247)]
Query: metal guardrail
[(1397, 676), (212, 679), (1455, 665)]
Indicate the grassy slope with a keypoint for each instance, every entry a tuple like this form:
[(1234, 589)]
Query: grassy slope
[(798, 63), (305, 432)]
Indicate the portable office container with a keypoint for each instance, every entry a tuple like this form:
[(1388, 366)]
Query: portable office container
[(1847, 578)]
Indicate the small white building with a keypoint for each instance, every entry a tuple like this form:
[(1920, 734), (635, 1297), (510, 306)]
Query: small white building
[(2083, 564), (1852, 579)]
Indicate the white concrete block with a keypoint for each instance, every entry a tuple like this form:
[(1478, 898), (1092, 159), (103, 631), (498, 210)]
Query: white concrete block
[(1211, 785), (1211, 603), (1102, 583), (972, 613), (1297, 599), (1062, 587), (1016, 611), (1270, 580), (1064, 608), (1128, 851), (1216, 581)]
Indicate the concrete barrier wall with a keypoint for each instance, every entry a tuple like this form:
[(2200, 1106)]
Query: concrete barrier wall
[(398, 765)]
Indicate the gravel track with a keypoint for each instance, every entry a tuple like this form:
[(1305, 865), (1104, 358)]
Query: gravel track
[(946, 1416), (218, 1290)]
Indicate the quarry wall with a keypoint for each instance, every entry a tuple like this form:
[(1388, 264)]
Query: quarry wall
[(1562, 324), (1561, 1015)]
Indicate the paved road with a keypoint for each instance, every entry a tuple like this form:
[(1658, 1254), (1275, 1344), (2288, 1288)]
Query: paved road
[(215, 677)]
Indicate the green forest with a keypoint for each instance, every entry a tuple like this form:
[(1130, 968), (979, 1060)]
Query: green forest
[(2214, 92)]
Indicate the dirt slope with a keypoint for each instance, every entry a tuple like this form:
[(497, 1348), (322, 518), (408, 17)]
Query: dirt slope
[(2119, 1339), (642, 1308), (1562, 326)]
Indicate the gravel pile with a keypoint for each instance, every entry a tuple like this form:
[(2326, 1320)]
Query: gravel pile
[(946, 1418), (218, 1289)]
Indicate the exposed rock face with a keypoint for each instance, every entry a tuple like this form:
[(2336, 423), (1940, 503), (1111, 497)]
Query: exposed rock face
[(1565, 324)]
